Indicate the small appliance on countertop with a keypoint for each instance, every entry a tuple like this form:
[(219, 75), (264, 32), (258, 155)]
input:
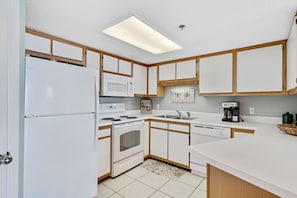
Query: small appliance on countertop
[(287, 118), (146, 106), (231, 111)]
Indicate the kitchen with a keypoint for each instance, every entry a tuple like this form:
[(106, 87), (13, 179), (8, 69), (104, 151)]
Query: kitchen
[(237, 36)]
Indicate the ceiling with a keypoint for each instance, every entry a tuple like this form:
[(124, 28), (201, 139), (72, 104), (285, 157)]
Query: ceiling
[(211, 25)]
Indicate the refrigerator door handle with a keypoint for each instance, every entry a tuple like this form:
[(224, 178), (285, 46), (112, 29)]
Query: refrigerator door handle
[(96, 107)]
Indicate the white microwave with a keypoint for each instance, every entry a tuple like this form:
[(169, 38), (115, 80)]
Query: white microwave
[(117, 85)]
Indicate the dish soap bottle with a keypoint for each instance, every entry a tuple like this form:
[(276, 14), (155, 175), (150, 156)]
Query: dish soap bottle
[(287, 118)]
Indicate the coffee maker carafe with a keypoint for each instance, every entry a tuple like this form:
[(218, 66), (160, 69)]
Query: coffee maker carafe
[(231, 111)]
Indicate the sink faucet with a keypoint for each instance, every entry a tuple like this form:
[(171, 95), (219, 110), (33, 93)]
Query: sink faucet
[(179, 113), (189, 114)]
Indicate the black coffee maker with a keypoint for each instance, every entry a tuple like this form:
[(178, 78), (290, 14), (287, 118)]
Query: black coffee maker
[(231, 111)]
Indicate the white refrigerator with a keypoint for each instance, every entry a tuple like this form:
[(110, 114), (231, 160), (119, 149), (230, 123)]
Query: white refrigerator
[(60, 129)]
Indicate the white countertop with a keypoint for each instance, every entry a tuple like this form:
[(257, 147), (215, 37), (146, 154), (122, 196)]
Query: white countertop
[(267, 159)]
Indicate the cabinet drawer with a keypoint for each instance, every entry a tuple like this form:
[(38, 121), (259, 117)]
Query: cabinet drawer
[(163, 125), (103, 133), (179, 127)]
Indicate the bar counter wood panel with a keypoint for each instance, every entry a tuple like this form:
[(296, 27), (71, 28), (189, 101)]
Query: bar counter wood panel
[(221, 184)]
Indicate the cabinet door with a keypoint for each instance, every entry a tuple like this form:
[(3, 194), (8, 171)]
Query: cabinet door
[(152, 81), (178, 148), (125, 67), (110, 63), (93, 60), (158, 143), (104, 153), (186, 69), (146, 138), (292, 57), (37, 43), (260, 70), (215, 74), (140, 79), (67, 51), (167, 72)]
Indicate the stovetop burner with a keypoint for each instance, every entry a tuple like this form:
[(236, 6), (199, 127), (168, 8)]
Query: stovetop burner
[(128, 117), (107, 118), (112, 119), (122, 118), (131, 117)]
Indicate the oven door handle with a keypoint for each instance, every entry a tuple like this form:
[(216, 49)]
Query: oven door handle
[(118, 126)]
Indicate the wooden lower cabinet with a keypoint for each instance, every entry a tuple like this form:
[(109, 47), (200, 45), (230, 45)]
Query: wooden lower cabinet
[(178, 152), (221, 184), (169, 142), (158, 143), (146, 141), (104, 153)]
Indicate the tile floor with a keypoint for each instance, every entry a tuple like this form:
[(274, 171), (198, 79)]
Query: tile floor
[(153, 179)]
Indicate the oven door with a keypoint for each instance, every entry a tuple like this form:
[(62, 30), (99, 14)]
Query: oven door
[(127, 139)]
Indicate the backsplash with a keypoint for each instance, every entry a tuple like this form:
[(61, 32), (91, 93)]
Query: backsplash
[(264, 105), (131, 103)]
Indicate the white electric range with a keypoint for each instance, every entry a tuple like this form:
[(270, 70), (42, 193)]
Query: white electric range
[(127, 137)]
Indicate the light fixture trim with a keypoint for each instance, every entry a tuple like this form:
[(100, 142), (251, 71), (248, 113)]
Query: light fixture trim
[(139, 34)]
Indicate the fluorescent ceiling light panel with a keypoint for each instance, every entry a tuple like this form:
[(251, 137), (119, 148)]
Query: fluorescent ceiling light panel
[(141, 35)]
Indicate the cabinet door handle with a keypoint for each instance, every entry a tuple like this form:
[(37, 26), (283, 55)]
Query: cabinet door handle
[(209, 127)]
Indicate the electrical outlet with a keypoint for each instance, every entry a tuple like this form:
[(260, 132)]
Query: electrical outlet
[(158, 106), (252, 110)]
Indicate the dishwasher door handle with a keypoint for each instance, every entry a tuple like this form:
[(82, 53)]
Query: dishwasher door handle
[(209, 127)]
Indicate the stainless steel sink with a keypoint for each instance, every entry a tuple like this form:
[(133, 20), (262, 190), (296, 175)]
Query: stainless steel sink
[(168, 116), (175, 117)]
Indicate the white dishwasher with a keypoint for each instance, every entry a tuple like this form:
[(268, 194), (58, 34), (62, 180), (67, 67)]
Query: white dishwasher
[(201, 134)]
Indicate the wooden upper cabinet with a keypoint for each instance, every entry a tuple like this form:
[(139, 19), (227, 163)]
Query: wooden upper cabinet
[(215, 74), (37, 44), (152, 81), (186, 69), (153, 88), (68, 51), (260, 70), (140, 79), (125, 67), (167, 72), (178, 73), (110, 64), (292, 59), (116, 66), (92, 59)]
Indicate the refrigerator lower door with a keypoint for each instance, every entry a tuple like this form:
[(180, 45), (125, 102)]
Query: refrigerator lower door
[(59, 157)]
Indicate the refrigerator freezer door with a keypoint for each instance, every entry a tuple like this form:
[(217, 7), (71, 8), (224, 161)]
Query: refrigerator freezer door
[(59, 157), (54, 88)]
